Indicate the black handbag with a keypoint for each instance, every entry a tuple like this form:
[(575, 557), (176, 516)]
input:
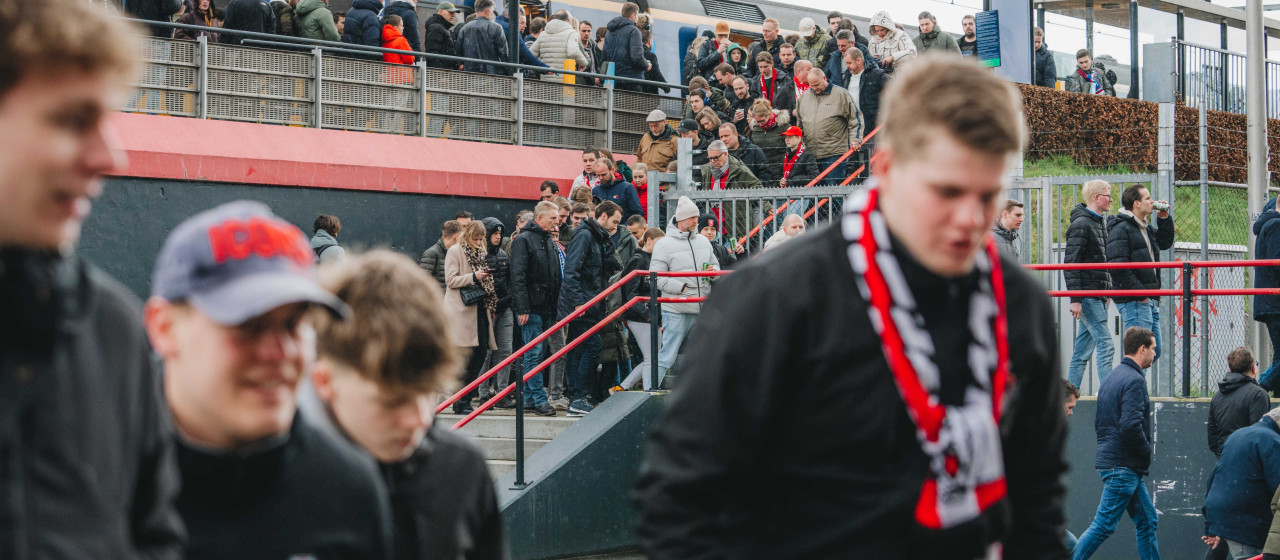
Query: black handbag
[(472, 294)]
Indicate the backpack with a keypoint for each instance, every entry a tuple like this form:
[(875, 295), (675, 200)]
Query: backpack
[(321, 249)]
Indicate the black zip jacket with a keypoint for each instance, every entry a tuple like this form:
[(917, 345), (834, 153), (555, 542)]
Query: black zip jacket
[(499, 265), (535, 271), (305, 495), (1239, 402), (796, 391), (589, 261), (86, 454), (1125, 244), (639, 286), (440, 40), (1086, 243)]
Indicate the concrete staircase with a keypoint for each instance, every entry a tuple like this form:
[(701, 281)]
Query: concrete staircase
[(495, 433)]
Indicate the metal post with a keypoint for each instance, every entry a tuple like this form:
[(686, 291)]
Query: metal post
[(1223, 78), (1088, 25), (423, 96), (518, 374), (655, 313), (1163, 190), (202, 95), (519, 139), (1187, 302), (608, 115), (1040, 16), (1256, 118), (1133, 50), (317, 92), (513, 31), (684, 164), (1204, 252)]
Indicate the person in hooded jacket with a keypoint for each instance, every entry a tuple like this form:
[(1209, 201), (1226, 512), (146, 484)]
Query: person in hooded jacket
[(324, 243), (393, 38), (624, 47), (683, 249), (1239, 401), (933, 39), (737, 58), (1237, 505), (439, 35), (1131, 237), (1045, 73), (589, 261), (559, 43), (247, 15), (503, 319), (613, 187), (889, 46), (709, 227), (408, 13), (197, 12), (363, 27), (315, 21), (799, 167), (1266, 309), (1087, 244)]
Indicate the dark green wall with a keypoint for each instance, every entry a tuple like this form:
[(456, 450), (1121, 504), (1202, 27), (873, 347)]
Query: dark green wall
[(131, 219)]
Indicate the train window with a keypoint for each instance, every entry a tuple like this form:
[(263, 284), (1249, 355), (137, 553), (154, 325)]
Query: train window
[(733, 11)]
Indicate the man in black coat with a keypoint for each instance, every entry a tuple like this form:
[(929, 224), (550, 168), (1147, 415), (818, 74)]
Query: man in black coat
[(740, 99), (1131, 238), (87, 464), (1239, 401), (248, 15), (408, 13), (155, 10), (589, 261), (535, 291), (749, 154), (867, 84), (374, 387), (1087, 244), (799, 391), (439, 35), (1046, 71), (482, 39), (624, 47), (770, 43), (1266, 309), (774, 85)]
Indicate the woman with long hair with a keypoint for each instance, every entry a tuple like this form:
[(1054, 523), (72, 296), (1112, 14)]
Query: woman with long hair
[(464, 265)]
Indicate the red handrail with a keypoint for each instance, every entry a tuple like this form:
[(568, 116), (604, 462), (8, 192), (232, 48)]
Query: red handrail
[(815, 181), (1145, 265), (1161, 293), (546, 333)]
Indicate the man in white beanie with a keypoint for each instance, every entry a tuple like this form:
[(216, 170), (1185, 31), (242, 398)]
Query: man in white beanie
[(682, 250)]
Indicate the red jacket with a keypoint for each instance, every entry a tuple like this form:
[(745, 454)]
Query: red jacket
[(392, 38)]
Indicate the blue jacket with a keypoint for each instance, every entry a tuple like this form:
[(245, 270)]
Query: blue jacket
[(622, 47), (1267, 246), (405, 9), (526, 56), (1123, 420), (483, 40), (1238, 504), (363, 26), (621, 193)]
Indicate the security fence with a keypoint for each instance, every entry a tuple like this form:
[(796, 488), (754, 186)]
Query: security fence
[(1215, 79), (319, 88)]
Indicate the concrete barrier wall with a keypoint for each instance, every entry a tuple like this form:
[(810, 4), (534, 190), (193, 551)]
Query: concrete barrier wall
[(133, 216)]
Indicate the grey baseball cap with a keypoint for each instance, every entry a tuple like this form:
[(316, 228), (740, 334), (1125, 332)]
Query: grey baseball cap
[(238, 261)]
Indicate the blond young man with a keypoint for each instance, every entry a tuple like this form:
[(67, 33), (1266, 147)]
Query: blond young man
[(872, 396), (86, 462), (378, 378)]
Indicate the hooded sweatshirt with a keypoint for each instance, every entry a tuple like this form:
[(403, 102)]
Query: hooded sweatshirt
[(499, 263), (315, 21), (326, 248), (896, 43), (683, 251)]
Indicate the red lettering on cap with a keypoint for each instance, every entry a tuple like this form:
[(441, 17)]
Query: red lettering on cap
[(237, 240)]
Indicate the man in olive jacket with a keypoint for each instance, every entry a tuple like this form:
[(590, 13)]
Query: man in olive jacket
[(722, 172), (933, 39)]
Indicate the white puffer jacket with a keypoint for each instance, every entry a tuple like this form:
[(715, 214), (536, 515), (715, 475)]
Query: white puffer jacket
[(896, 44), (558, 43), (682, 251)]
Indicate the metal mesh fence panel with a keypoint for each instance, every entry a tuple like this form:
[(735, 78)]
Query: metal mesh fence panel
[(169, 81)]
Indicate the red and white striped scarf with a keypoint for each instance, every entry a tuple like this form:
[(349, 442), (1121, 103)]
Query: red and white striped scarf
[(966, 474)]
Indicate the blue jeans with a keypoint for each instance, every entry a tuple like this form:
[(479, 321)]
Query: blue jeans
[(1092, 334), (675, 328), (582, 361), (1268, 378), (1122, 490), (836, 175), (535, 395), (1141, 314)]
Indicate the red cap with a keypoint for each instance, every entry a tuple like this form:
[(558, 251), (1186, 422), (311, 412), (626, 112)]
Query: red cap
[(793, 131)]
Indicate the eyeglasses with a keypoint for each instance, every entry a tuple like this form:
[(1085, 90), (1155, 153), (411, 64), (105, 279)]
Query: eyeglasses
[(723, 155)]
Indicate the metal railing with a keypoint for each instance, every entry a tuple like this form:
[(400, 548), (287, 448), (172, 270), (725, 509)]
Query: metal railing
[(1214, 78), (324, 86)]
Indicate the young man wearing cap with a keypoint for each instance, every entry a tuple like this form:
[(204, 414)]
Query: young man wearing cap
[(376, 384), (689, 129), (713, 53), (658, 146), (799, 167), (230, 316), (86, 459), (682, 250), (904, 398), (813, 43)]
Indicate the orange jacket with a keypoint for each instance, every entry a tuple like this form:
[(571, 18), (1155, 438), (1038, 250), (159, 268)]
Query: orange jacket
[(393, 39)]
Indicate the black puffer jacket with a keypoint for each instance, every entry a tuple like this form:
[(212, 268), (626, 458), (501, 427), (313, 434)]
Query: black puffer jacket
[(1086, 243), (639, 286), (409, 15), (535, 271), (499, 264), (622, 47), (440, 41), (362, 26), (1046, 72), (589, 260), (1266, 246), (248, 15), (1239, 402), (1125, 244)]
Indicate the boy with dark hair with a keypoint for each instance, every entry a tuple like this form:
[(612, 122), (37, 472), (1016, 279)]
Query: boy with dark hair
[(548, 190), (378, 378), (432, 259), (324, 241)]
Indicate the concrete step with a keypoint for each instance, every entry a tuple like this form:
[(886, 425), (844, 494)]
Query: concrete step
[(504, 449), (499, 425), (499, 468)]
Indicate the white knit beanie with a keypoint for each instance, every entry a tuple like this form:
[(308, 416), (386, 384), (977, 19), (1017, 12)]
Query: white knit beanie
[(686, 209)]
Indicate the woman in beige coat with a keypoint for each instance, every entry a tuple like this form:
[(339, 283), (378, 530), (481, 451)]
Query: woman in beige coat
[(472, 325)]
